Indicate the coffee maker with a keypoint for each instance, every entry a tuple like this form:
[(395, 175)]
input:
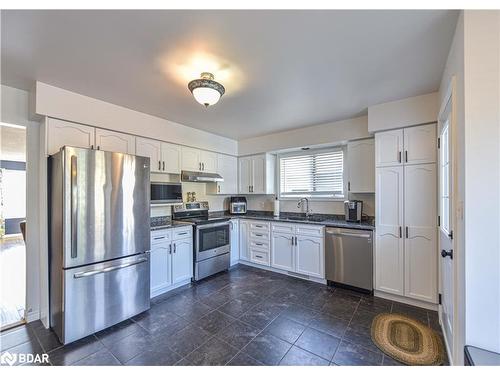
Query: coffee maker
[(353, 210)]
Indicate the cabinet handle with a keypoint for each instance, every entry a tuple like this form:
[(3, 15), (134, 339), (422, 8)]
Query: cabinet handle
[(218, 188), (399, 157), (174, 247), (400, 233), (406, 156), (91, 147), (199, 166), (203, 165), (170, 248), (163, 165), (98, 147), (349, 186), (406, 232), (159, 165)]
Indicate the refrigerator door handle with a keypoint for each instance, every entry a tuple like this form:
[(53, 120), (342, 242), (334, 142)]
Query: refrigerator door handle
[(108, 269), (74, 206)]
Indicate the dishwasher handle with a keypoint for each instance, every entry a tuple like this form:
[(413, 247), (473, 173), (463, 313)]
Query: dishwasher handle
[(348, 234)]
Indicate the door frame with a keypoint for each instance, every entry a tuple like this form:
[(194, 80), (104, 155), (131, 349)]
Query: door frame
[(456, 354)]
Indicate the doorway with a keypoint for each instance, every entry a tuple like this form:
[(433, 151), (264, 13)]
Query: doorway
[(12, 225)]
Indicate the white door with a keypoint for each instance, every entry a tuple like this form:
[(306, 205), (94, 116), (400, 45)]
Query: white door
[(160, 266), (244, 173), (208, 161), (310, 256), (420, 219), (446, 245), (152, 150), (190, 159), (182, 260), (113, 141), (244, 232), (361, 166), (282, 251), (259, 174), (235, 240), (63, 133), (227, 167), (170, 158), (420, 144), (388, 148), (389, 257)]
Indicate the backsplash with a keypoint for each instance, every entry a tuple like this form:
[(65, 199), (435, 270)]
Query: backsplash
[(266, 203)]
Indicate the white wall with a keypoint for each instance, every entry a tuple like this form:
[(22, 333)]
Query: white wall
[(482, 182), (415, 110), (14, 110), (63, 104), (323, 134)]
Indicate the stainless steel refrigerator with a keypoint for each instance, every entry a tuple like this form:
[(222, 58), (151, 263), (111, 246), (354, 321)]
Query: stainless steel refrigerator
[(99, 240)]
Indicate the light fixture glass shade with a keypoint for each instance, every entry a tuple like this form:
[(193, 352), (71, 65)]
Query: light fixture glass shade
[(206, 96), (205, 90)]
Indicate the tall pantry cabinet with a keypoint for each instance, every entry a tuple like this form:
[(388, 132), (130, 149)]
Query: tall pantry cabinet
[(406, 212)]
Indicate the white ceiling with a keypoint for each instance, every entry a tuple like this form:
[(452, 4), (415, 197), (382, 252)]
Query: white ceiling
[(281, 69)]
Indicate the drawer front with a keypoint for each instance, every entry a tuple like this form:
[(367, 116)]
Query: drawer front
[(283, 228), (161, 235), (311, 230), (260, 236), (260, 225), (264, 245), (260, 257), (182, 232)]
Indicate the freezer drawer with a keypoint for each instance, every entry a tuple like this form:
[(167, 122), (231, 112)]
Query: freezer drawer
[(98, 296), (349, 257)]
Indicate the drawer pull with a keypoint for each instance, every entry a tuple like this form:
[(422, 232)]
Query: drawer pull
[(158, 238), (259, 244), (259, 256), (258, 235), (259, 226), (182, 233)]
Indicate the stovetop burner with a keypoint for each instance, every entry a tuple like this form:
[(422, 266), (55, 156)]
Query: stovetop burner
[(196, 213)]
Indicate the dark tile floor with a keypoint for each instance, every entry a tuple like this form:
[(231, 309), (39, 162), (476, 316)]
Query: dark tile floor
[(246, 316)]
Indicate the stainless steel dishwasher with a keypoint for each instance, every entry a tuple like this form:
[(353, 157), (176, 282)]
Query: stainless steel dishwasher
[(349, 257)]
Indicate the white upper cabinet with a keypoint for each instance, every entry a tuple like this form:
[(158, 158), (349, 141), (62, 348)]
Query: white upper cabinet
[(170, 158), (115, 142), (227, 167), (190, 159), (151, 149), (64, 133), (208, 161), (256, 174), (420, 200), (361, 166), (389, 148), (389, 249), (420, 144)]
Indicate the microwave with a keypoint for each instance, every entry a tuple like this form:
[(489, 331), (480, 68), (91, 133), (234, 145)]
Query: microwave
[(166, 192)]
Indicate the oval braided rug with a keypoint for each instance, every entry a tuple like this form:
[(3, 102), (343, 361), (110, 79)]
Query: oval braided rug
[(407, 340)]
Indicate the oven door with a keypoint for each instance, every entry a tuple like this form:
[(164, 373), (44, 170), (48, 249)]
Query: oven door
[(212, 240)]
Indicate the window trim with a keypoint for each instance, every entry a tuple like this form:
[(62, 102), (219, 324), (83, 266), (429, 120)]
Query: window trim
[(315, 151)]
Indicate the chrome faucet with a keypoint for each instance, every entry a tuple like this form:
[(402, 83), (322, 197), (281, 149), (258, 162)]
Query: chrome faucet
[(301, 203)]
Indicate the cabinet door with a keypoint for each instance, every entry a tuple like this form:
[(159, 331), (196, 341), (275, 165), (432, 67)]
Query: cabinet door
[(152, 150), (389, 256), (282, 251), (389, 148), (182, 260), (63, 133), (258, 180), (310, 256), (208, 161), (361, 166), (190, 159), (227, 167), (421, 253), (160, 266), (113, 141), (170, 158), (420, 144), (235, 241), (244, 173), (244, 229)]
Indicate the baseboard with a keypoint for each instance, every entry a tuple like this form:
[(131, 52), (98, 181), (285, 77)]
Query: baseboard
[(291, 274), (406, 300), (32, 316)]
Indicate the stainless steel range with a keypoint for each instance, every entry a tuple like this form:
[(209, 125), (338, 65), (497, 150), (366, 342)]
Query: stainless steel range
[(211, 238)]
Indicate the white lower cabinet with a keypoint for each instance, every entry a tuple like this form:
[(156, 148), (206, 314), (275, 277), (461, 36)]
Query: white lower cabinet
[(171, 261), (234, 237), (244, 230), (310, 256), (283, 251)]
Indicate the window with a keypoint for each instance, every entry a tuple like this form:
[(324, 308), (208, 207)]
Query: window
[(318, 174)]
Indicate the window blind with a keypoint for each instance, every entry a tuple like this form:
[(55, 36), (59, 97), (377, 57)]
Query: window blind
[(319, 174)]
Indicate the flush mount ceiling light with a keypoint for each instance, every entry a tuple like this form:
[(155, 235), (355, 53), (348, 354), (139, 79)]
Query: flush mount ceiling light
[(205, 90)]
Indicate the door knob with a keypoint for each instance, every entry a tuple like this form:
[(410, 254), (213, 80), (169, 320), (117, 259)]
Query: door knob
[(445, 254)]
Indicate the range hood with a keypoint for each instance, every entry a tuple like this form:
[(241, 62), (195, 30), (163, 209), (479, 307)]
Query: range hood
[(190, 176)]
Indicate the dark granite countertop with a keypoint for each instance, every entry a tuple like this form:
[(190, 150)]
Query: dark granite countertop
[(293, 217)]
